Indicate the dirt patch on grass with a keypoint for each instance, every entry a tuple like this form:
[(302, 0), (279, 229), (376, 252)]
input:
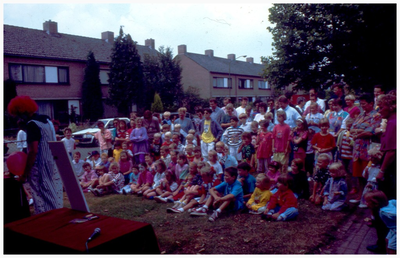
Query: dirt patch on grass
[(235, 233)]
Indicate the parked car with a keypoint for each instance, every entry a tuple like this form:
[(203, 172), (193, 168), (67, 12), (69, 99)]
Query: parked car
[(81, 138)]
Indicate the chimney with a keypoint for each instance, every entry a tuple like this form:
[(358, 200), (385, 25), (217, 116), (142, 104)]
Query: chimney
[(232, 57), (250, 60), (182, 49), (149, 43), (108, 36), (209, 52), (50, 27)]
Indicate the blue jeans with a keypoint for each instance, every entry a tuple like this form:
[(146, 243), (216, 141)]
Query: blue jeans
[(290, 213)]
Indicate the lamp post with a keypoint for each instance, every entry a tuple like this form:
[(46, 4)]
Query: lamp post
[(230, 76)]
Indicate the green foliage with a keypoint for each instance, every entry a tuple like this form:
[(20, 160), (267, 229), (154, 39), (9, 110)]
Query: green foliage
[(126, 75), (191, 99), (157, 105), (317, 43), (163, 75), (92, 103)]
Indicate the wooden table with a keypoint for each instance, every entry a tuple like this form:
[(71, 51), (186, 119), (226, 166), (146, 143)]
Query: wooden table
[(52, 233)]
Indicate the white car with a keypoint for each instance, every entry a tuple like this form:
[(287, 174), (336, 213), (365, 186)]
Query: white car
[(87, 139)]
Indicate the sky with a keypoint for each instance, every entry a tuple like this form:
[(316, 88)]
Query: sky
[(235, 28)]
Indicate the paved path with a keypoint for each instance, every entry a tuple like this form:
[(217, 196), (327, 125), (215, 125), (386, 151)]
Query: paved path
[(354, 236)]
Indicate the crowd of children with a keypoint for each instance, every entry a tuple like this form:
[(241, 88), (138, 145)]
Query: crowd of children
[(254, 166)]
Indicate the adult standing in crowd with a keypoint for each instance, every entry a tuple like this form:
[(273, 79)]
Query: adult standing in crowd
[(291, 114), (314, 98), (40, 169), (217, 112), (339, 93), (104, 136), (352, 109), (362, 131), (242, 108), (185, 122), (227, 101), (151, 124), (378, 90), (387, 175), (301, 101)]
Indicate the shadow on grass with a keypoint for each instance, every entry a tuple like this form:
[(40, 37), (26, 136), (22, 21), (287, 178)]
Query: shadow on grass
[(241, 233)]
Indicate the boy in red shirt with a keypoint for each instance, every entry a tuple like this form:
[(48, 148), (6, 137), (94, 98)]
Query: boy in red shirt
[(283, 204), (323, 142)]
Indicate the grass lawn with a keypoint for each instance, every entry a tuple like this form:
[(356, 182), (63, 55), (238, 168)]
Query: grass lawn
[(240, 233)]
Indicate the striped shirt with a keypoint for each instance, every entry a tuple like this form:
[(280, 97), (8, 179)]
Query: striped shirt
[(233, 136), (346, 146)]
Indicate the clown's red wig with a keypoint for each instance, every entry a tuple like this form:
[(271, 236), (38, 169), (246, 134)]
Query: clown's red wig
[(22, 105)]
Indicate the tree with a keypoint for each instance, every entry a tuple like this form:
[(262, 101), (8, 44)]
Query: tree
[(163, 75), (191, 99), (126, 75), (92, 103), (157, 105), (315, 43)]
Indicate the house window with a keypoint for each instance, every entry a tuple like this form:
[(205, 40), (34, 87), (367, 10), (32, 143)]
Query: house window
[(263, 85), (38, 74), (104, 76), (245, 84), (222, 82)]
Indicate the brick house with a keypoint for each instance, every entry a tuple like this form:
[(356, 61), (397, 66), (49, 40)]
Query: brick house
[(221, 77), (49, 66)]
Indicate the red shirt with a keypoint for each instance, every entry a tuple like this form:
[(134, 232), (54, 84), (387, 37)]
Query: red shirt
[(323, 142)]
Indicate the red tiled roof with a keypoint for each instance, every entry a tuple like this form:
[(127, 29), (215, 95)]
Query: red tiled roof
[(26, 42)]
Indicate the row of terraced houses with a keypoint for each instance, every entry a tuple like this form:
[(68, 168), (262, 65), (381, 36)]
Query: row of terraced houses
[(49, 67)]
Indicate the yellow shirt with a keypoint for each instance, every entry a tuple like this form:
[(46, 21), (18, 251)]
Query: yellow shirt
[(207, 135), (259, 198), (117, 154)]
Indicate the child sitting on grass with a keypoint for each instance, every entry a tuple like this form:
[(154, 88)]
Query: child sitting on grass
[(273, 174), (225, 196), (257, 203), (213, 162), (125, 165), (113, 183), (301, 187), (335, 190), (103, 177), (133, 179), (145, 180), (165, 156), (158, 176), (104, 161), (247, 180), (320, 177), (89, 176), (283, 204), (167, 186)]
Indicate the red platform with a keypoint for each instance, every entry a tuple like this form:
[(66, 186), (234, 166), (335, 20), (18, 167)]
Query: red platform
[(51, 233)]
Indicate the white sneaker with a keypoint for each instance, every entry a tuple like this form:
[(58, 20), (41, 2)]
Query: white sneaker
[(160, 199), (214, 216), (30, 201)]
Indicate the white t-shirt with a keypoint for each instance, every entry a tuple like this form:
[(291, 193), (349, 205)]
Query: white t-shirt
[(21, 140), (240, 110), (69, 144)]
